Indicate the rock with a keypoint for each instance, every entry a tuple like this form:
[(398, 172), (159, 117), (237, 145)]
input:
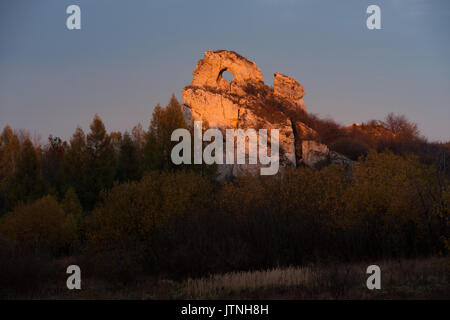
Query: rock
[(316, 155), (290, 89), (209, 70), (247, 103), (219, 110)]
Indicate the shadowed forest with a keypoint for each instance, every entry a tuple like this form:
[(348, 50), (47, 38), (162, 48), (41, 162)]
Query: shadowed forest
[(114, 204)]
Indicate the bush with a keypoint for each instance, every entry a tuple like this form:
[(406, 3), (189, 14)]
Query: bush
[(329, 131), (133, 217), (42, 225), (178, 224), (391, 203), (352, 148)]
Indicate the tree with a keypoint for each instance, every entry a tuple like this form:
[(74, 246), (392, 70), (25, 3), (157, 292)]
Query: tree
[(27, 183), (101, 161), (74, 211), (9, 151), (71, 205), (52, 163), (158, 144), (132, 216), (41, 224), (129, 162), (393, 196), (76, 165), (139, 136), (401, 127), (9, 155), (115, 140)]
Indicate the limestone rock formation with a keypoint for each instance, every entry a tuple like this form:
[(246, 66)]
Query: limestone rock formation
[(315, 154), (289, 89), (246, 102), (209, 70)]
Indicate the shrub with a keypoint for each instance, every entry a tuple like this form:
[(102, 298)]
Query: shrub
[(328, 130), (352, 148), (179, 224), (391, 201), (134, 216), (41, 224)]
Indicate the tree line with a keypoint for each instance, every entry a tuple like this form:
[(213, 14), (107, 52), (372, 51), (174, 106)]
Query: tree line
[(117, 203), (88, 163)]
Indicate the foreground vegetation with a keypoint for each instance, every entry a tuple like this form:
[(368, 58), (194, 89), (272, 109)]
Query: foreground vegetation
[(400, 279), (116, 206)]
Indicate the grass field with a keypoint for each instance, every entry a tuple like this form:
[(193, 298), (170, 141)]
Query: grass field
[(400, 279)]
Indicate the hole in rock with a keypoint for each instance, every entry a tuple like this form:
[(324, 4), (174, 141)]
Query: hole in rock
[(227, 75)]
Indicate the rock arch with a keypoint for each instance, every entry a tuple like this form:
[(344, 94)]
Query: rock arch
[(222, 82), (209, 70)]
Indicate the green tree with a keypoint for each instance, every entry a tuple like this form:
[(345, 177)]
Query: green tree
[(52, 163), (76, 164), (27, 183), (129, 162), (158, 144), (9, 155), (101, 161)]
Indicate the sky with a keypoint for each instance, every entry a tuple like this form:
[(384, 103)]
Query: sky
[(130, 55)]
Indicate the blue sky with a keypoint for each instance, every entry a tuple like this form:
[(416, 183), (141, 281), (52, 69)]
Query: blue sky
[(130, 55)]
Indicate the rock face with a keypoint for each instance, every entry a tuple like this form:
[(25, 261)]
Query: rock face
[(209, 70), (315, 154), (246, 102), (289, 89)]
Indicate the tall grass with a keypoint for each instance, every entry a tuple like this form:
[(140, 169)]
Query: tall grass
[(403, 278), (236, 282)]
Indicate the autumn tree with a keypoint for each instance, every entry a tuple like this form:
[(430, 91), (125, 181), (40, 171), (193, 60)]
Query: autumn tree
[(41, 224), (401, 127), (139, 136), (394, 197)]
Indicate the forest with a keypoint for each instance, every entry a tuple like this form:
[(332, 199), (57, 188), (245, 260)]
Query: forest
[(115, 204)]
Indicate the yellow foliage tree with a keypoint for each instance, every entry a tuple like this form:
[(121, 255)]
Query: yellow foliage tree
[(392, 197), (136, 211), (41, 224)]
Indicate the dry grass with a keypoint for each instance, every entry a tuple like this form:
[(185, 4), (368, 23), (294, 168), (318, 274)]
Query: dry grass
[(236, 282), (400, 279)]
